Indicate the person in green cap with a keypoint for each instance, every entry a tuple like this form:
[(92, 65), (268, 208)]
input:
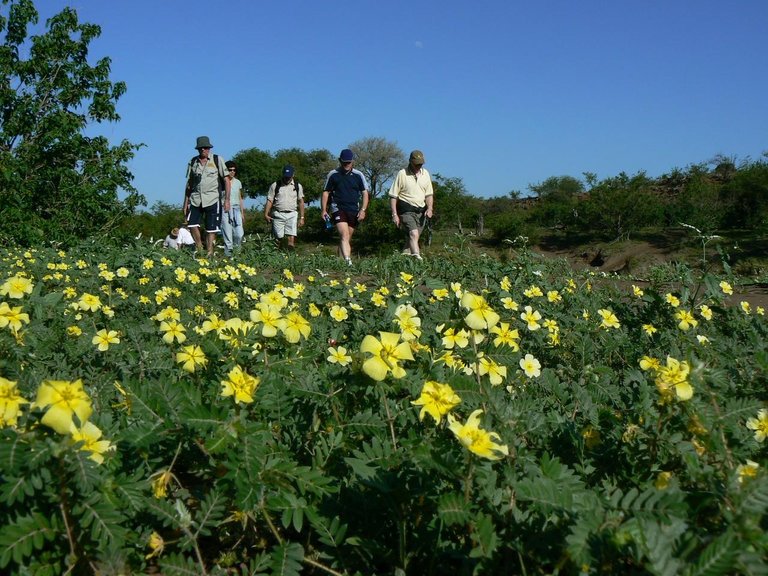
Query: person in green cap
[(411, 199)]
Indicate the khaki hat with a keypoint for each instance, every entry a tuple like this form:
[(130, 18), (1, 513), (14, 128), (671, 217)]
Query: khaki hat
[(417, 157), (203, 142)]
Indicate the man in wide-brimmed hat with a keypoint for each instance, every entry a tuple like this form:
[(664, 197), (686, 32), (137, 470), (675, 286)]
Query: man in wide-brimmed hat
[(206, 194)]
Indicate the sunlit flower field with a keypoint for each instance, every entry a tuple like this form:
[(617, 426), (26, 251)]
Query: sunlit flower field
[(282, 414)]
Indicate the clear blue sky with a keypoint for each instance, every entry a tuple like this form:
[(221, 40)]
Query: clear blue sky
[(501, 93)]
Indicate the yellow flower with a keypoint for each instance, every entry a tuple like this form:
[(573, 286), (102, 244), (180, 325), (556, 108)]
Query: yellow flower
[(662, 480), (746, 307), (104, 338), (440, 294), (609, 319), (173, 330), (648, 363), (509, 303), (314, 311), (759, 424), (706, 312), (748, 470), (89, 302), (475, 439), (726, 288), (637, 291), (213, 322), (156, 544), (241, 385), (674, 377), (649, 329), (686, 320), (531, 366), (191, 357), (407, 319), (505, 284), (385, 355), (160, 482), (12, 317), (453, 338), (533, 292), (506, 336), (672, 300), (554, 296), (270, 317), (16, 287), (89, 435), (481, 316), (531, 317), (496, 372), (10, 403), (436, 400), (63, 399), (339, 356), (295, 326), (338, 313)]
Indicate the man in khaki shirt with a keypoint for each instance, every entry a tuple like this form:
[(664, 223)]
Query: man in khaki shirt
[(411, 200), (284, 209)]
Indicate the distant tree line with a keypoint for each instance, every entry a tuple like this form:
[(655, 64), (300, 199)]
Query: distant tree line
[(59, 185)]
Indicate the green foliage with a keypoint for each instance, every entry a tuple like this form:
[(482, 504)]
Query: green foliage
[(258, 169), (558, 197), (56, 183), (618, 206), (324, 470)]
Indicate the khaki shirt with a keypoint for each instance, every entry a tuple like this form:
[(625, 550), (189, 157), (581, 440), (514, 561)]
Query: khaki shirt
[(285, 198), (204, 181)]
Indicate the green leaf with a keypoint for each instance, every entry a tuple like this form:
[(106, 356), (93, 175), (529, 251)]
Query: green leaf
[(454, 509), (287, 559)]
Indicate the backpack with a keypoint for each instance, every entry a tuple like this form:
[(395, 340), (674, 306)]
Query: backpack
[(222, 185), (295, 187)]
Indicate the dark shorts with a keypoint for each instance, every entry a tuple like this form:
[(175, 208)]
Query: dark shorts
[(210, 216), (349, 218)]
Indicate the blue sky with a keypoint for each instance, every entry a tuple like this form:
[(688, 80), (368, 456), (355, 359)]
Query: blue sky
[(501, 93)]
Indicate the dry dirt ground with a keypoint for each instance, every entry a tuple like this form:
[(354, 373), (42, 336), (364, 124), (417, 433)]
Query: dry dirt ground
[(636, 261)]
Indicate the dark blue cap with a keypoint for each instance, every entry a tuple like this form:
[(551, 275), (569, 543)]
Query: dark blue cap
[(346, 155), (287, 171)]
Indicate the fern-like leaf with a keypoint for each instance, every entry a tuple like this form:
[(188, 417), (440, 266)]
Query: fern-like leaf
[(717, 558), (287, 559), (21, 538)]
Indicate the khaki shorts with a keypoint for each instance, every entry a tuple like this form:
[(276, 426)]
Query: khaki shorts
[(284, 223), (412, 221)]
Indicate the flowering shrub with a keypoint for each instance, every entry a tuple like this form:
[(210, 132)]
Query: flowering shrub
[(267, 415)]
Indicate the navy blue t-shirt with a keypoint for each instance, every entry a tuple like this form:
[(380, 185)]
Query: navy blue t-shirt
[(345, 189)]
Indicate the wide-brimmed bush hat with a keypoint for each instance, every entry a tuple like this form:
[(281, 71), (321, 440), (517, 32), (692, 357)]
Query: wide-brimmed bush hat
[(203, 142)]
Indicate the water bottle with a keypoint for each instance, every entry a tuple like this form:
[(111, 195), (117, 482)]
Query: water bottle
[(328, 223)]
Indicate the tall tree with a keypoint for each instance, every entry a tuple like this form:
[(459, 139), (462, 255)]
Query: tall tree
[(379, 159), (558, 196), (258, 169), (56, 183)]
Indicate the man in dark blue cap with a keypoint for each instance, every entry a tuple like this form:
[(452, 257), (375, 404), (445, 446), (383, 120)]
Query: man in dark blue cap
[(284, 209), (345, 200)]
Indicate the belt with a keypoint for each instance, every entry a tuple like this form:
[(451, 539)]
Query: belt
[(285, 211)]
